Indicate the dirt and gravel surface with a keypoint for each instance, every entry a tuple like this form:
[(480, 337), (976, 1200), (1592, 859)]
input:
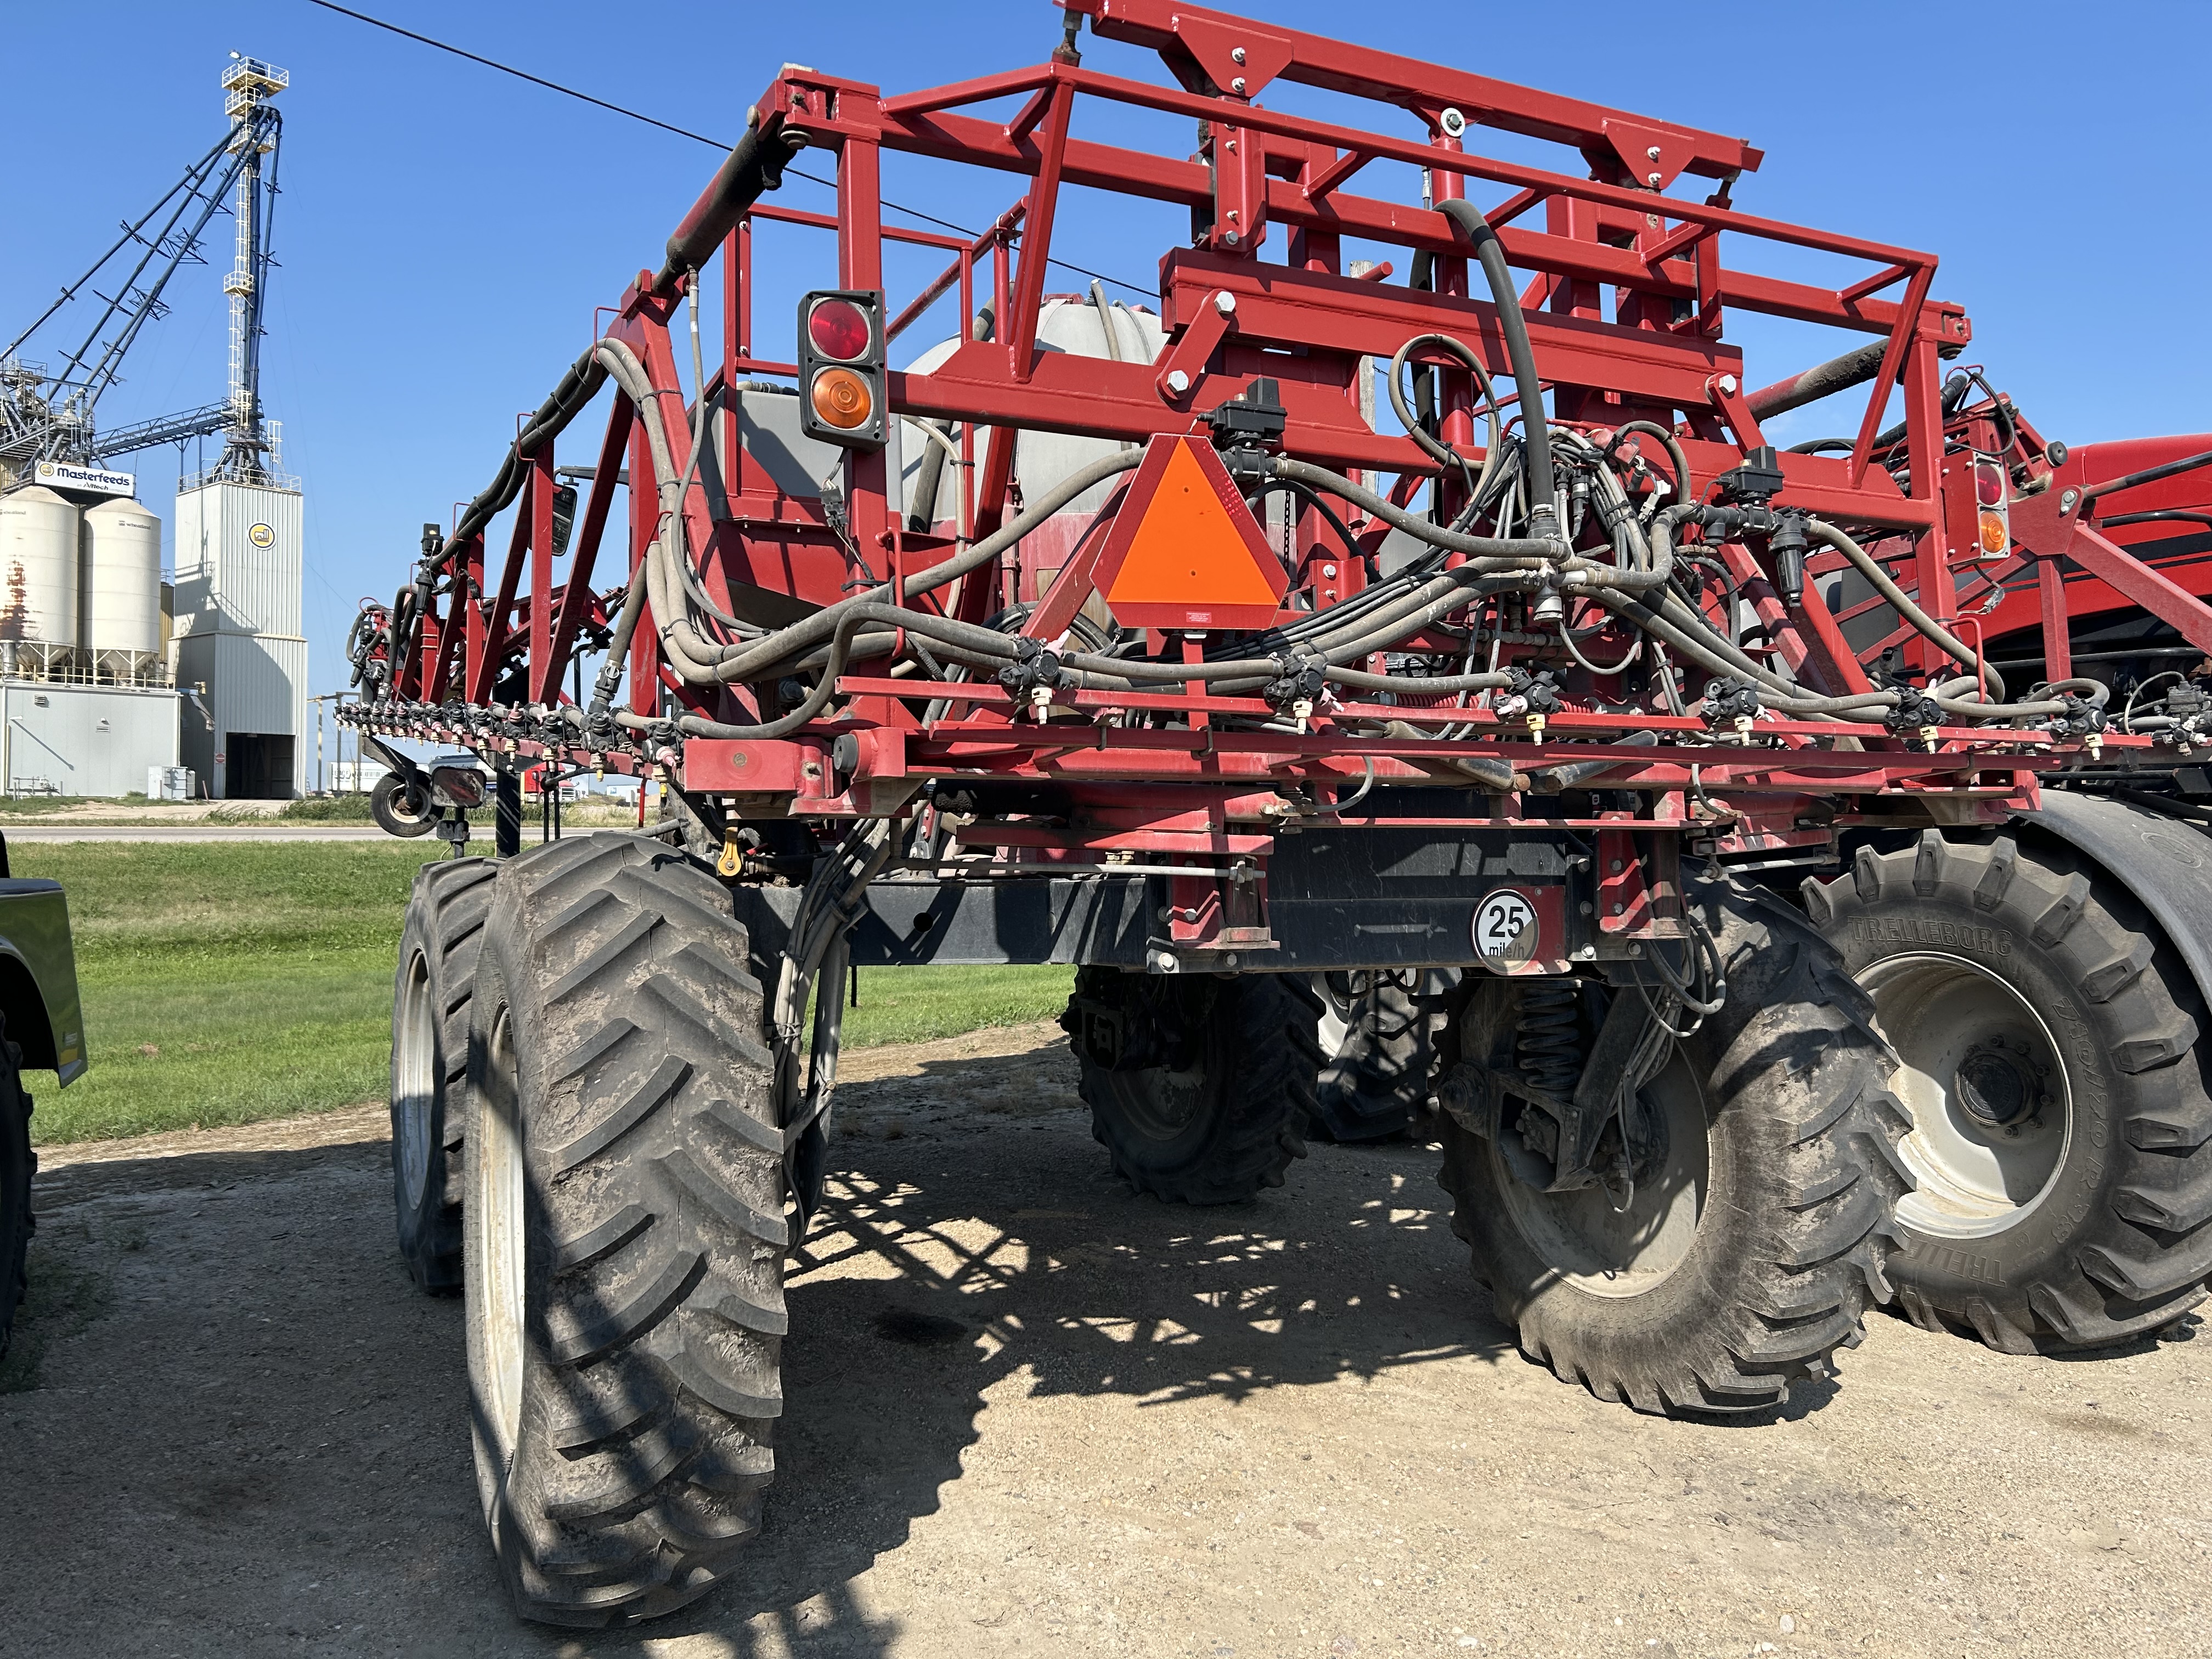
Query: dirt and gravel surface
[(1030, 1414)]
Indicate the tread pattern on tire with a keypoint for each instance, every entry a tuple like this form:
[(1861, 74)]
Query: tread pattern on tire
[(1266, 1033), (1796, 1079), (658, 1231), (2139, 1260), (1376, 1085), (446, 918)]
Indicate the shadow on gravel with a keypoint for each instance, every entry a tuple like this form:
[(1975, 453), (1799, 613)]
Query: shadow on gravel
[(996, 1249), (274, 1421)]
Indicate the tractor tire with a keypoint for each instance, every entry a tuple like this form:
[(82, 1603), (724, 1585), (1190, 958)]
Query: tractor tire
[(18, 1164), (1378, 1051), (438, 949), (1747, 1259), (2026, 991), (1222, 1115), (625, 1232), (400, 811)]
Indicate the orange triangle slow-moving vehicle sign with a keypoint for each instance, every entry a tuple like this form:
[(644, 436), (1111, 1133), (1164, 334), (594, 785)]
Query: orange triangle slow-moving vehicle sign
[(1184, 551)]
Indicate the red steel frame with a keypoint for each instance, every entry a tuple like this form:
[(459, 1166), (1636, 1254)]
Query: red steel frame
[(1277, 180)]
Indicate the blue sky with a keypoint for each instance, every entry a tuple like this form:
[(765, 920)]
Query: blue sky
[(445, 231)]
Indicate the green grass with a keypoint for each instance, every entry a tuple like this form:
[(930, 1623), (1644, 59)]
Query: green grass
[(227, 983)]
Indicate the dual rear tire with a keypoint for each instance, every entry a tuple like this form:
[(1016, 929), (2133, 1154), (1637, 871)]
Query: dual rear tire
[(2061, 1128), (619, 1202), (438, 949)]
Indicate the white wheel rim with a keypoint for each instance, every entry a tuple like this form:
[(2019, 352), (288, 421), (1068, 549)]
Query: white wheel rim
[(1975, 1178), (413, 1075), (496, 1267), (1337, 1015), (1581, 1236)]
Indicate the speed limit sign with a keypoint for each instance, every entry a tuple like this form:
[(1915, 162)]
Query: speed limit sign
[(1504, 928)]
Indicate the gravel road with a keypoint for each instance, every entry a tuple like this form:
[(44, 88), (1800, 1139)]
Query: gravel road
[(1030, 1414)]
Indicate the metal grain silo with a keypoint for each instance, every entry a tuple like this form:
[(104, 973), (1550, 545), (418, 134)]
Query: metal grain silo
[(121, 613), (38, 534)]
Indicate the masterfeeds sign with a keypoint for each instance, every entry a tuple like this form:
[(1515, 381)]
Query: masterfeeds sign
[(64, 474)]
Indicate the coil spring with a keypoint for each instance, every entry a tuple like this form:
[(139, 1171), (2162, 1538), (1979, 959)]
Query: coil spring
[(1548, 1049)]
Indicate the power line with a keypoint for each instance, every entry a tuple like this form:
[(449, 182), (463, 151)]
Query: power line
[(685, 132)]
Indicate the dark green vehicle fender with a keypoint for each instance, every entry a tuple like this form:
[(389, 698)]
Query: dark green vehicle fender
[(37, 977)]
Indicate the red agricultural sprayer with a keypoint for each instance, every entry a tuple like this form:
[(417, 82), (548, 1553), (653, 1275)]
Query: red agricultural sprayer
[(1446, 767)]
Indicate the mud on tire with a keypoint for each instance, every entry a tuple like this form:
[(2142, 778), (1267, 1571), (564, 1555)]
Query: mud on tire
[(438, 950), (1200, 1087), (625, 1232), (2092, 1222), (1752, 1258)]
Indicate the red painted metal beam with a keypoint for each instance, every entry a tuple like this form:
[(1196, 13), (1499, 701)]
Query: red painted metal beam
[(576, 600)]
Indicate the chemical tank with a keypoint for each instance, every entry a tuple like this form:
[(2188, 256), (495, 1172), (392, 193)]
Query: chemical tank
[(38, 574), (1093, 327), (122, 595)]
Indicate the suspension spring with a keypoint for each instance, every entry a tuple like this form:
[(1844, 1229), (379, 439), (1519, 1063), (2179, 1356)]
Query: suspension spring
[(1548, 1047)]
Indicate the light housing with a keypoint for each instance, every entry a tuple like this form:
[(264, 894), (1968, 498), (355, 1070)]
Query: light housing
[(1992, 508), (842, 378), (460, 786)]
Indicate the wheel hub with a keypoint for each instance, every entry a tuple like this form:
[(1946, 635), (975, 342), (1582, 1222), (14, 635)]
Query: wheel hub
[(1615, 1236), (1996, 1086), (1986, 1087)]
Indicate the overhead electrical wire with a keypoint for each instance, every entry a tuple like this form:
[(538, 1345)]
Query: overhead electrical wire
[(685, 132)]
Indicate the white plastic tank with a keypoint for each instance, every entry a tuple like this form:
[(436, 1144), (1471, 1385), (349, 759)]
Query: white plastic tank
[(1080, 327), (38, 570), (122, 609)]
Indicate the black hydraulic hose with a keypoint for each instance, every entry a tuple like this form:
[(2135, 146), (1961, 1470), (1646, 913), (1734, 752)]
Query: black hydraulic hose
[(1777, 692), (753, 166), (611, 670), (922, 500), (1542, 490), (1417, 685), (1438, 450), (1313, 499), (2148, 475), (1854, 368), (813, 630), (1515, 551), (1674, 447), (577, 388), (850, 616), (1954, 394), (1900, 602)]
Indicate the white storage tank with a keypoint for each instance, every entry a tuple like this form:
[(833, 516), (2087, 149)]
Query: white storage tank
[(1093, 327), (122, 597), (38, 570)]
